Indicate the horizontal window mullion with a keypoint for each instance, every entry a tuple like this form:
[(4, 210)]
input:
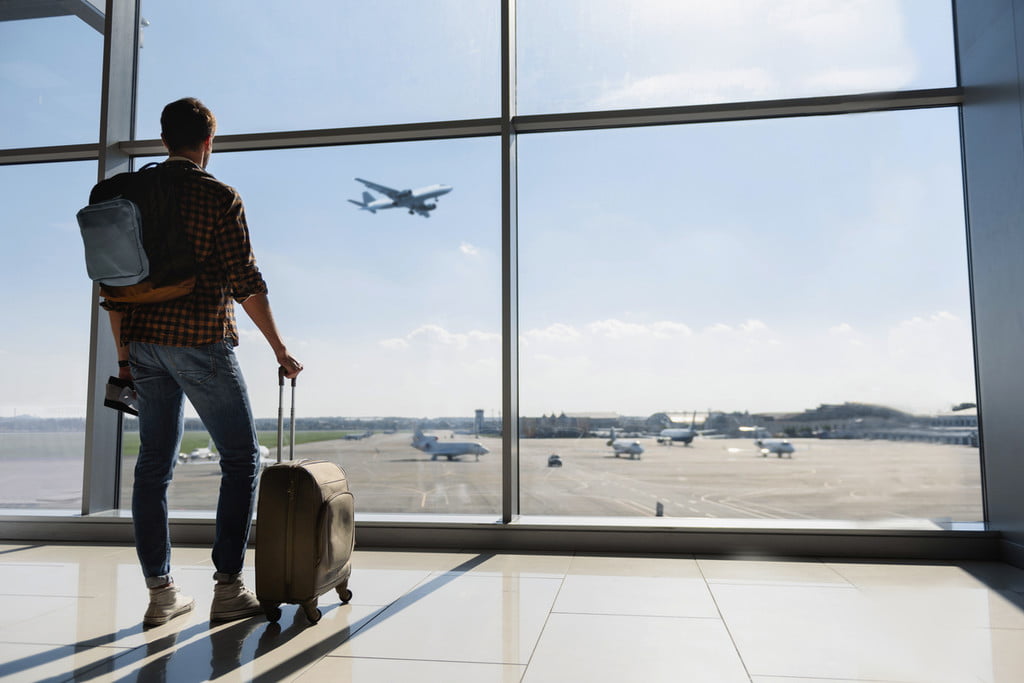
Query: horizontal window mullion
[(45, 155), (740, 111), (336, 136)]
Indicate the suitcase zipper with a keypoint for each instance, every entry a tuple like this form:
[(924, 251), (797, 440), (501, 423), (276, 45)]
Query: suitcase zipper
[(289, 536)]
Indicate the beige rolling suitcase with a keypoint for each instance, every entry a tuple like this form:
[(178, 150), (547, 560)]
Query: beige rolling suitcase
[(305, 529)]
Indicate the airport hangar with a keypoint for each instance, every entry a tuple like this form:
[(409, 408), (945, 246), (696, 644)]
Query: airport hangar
[(989, 44)]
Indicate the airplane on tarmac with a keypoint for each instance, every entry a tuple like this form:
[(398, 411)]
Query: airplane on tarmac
[(352, 436), (449, 449), (625, 447), (208, 456), (413, 200), (684, 434), (776, 446)]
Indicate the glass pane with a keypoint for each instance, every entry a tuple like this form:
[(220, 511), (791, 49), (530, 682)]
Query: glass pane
[(44, 343), (786, 279), (396, 318), (50, 79), (319, 64), (578, 55)]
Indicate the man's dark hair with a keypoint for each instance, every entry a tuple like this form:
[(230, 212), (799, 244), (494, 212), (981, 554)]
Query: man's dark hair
[(186, 123)]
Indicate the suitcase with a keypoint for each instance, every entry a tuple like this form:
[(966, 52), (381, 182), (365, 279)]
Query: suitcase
[(305, 529)]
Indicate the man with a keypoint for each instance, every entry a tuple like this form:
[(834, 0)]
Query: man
[(184, 348)]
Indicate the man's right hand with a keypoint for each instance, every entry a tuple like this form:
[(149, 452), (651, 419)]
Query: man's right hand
[(291, 367)]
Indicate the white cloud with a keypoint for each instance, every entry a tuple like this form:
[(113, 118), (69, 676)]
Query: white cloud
[(557, 332), (435, 335), (721, 51), (691, 87), (618, 329), (921, 363), (468, 249), (753, 327)]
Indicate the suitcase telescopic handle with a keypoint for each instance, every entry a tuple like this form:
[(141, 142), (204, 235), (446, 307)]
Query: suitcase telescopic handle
[(280, 417)]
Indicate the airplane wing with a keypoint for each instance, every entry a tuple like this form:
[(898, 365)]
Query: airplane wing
[(391, 193)]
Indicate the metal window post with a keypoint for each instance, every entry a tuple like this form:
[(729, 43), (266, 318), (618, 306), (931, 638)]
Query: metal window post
[(102, 468), (509, 271)]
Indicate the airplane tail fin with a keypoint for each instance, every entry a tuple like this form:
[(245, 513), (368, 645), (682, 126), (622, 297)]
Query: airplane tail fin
[(365, 204)]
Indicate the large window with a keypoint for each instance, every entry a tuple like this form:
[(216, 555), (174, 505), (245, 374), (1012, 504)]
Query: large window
[(747, 274), (50, 73), (394, 315), (578, 55), (787, 296), (310, 64), (44, 347)]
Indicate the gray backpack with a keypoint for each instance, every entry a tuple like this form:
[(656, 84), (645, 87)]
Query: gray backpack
[(135, 242)]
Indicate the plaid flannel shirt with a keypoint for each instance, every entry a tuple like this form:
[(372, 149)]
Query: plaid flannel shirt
[(215, 222)]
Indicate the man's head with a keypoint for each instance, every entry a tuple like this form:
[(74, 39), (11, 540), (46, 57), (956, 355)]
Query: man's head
[(187, 128)]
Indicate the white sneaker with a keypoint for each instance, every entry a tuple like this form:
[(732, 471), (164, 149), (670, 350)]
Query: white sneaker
[(233, 601), (166, 603)]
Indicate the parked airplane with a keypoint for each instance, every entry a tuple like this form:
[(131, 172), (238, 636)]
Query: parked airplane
[(684, 434), (625, 447), (449, 449), (209, 456), (776, 446), (413, 200), (352, 436)]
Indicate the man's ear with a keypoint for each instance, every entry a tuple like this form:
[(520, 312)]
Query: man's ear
[(164, 142)]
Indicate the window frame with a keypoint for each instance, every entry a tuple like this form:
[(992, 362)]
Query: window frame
[(102, 517)]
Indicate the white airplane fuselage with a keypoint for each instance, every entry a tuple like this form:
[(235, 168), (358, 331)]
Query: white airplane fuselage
[(415, 201), (776, 446), (625, 447), (447, 449)]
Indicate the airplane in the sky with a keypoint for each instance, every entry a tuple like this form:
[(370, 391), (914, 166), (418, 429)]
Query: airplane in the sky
[(683, 434), (625, 447), (448, 449), (776, 446), (413, 200)]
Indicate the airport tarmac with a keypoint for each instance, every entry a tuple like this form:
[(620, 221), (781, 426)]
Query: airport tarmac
[(856, 480)]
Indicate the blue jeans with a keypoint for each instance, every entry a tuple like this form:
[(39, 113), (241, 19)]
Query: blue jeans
[(209, 376)]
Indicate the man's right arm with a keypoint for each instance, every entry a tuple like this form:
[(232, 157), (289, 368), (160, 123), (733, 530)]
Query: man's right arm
[(257, 307), (123, 372)]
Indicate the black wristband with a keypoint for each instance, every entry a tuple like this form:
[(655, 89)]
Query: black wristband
[(123, 363)]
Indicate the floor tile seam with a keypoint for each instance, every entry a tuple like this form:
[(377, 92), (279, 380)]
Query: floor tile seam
[(420, 659), (780, 584), (476, 574), (635, 616), (547, 619), (725, 624)]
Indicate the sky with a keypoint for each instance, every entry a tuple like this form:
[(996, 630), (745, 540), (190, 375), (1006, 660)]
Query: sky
[(762, 266)]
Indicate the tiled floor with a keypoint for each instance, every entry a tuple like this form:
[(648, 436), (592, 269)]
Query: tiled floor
[(74, 613)]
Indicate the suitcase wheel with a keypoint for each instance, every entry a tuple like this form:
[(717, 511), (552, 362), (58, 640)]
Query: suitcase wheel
[(272, 610), (344, 594), (312, 613)]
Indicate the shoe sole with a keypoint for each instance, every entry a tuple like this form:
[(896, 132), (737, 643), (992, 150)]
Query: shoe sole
[(160, 621), (237, 614)]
